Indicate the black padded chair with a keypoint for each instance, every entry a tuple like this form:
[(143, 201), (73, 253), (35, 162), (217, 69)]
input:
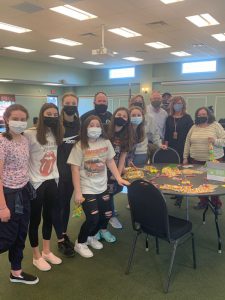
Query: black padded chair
[(149, 215), (169, 155)]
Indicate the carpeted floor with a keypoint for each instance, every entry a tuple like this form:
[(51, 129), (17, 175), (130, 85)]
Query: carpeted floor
[(102, 277)]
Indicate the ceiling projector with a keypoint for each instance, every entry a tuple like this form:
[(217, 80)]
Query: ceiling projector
[(102, 51)]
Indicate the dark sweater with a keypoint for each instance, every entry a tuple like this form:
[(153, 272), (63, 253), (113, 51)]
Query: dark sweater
[(105, 118)]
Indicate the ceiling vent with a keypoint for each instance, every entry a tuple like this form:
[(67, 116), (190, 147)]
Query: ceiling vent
[(88, 34), (156, 23), (28, 7)]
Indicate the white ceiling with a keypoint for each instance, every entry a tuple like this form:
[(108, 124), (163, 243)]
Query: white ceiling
[(133, 14)]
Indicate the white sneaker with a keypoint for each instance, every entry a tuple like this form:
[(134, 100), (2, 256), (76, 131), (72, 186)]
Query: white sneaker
[(51, 258), (41, 264), (94, 243), (83, 250), (115, 223)]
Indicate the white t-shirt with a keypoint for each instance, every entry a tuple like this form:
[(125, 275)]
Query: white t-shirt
[(92, 163), (42, 162), (159, 117)]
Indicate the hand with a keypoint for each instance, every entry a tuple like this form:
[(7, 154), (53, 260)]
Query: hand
[(79, 198), (163, 147), (185, 161), (123, 182), (211, 140), (5, 214)]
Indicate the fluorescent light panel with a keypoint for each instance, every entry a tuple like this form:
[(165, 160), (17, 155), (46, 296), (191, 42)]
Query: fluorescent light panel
[(125, 32), (65, 42), (132, 58), (180, 53), (170, 1), (19, 49), (199, 67), (73, 12), (219, 37), (94, 63), (202, 20), (13, 28), (61, 57), (157, 45), (6, 80)]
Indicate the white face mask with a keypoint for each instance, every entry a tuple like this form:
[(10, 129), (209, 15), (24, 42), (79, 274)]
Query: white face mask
[(17, 127), (94, 132)]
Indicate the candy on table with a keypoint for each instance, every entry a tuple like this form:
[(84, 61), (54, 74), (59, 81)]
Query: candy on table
[(151, 169), (170, 172)]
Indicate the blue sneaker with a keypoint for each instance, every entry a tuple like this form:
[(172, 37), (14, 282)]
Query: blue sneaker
[(107, 236), (98, 236)]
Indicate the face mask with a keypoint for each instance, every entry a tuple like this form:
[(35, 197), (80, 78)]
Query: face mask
[(94, 132), (178, 107), (201, 120), (17, 127), (165, 105), (70, 110), (51, 121), (156, 103), (120, 121), (136, 120), (101, 108), (139, 104)]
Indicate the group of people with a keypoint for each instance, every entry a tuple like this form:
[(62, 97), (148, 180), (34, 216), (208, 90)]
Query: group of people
[(40, 168)]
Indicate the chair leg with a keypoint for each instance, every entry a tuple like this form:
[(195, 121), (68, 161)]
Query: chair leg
[(171, 266), (193, 250), (157, 245), (204, 214), (132, 253), (218, 233)]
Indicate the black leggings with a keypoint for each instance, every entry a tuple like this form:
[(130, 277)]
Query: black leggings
[(97, 209), (47, 204)]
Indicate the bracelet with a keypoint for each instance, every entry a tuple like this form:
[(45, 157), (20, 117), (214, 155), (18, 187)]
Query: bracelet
[(3, 208)]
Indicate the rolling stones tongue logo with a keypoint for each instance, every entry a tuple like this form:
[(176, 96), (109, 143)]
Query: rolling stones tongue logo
[(47, 163)]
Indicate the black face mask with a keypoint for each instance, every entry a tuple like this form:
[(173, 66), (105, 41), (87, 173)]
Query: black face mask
[(51, 122), (70, 110), (139, 104), (120, 121), (201, 120), (101, 108)]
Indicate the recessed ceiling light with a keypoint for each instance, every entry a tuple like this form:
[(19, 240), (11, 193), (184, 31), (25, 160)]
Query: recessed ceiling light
[(65, 42), (157, 45), (13, 28), (50, 83), (132, 58), (19, 49), (125, 32), (95, 63), (170, 1), (73, 12), (61, 57), (180, 53), (219, 36), (6, 80), (202, 20)]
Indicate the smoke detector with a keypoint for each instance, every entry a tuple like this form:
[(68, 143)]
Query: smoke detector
[(103, 50)]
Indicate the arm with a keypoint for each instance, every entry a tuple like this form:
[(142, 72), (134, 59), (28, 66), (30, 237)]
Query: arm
[(4, 211), (220, 136), (187, 147), (76, 183), (113, 168), (122, 162)]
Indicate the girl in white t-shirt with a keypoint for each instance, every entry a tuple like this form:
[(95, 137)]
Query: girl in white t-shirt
[(43, 173), (89, 160)]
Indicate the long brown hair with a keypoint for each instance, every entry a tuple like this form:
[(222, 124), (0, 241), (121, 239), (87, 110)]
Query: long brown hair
[(7, 115), (126, 134), (140, 131), (83, 137), (173, 101), (42, 129)]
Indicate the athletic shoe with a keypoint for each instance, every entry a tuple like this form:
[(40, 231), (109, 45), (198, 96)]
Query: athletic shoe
[(41, 264), (67, 239), (83, 250), (107, 236), (98, 236), (24, 278), (51, 258), (94, 243), (65, 248), (115, 223)]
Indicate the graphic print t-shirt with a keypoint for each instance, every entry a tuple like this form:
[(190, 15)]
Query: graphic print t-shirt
[(92, 163), (42, 163)]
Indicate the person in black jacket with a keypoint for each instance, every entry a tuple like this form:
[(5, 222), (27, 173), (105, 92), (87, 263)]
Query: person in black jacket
[(71, 123)]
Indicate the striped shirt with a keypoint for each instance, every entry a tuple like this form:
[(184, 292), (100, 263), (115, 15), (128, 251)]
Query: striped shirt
[(197, 145)]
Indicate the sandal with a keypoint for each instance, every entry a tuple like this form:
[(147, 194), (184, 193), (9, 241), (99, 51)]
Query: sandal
[(107, 236)]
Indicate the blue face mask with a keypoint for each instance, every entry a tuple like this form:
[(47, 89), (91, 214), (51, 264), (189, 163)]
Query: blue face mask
[(178, 107), (136, 120)]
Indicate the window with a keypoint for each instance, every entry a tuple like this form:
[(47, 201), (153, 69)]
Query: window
[(122, 73), (52, 99), (200, 66)]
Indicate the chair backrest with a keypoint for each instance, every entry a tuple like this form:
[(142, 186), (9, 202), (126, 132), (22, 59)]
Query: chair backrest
[(169, 155), (148, 209)]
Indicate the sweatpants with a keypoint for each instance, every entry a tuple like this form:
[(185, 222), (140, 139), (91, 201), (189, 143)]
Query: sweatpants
[(14, 232), (47, 205), (97, 209)]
